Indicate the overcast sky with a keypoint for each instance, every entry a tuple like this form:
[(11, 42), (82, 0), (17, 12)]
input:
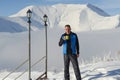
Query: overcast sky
[(9, 7)]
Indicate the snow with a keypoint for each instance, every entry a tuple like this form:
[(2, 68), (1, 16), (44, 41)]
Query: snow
[(22, 13), (107, 42), (98, 34), (82, 17), (99, 54), (97, 71), (7, 25)]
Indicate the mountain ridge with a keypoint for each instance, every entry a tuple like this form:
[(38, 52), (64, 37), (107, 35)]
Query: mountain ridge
[(81, 17)]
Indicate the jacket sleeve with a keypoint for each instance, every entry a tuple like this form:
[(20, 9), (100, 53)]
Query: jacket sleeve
[(61, 41), (77, 44)]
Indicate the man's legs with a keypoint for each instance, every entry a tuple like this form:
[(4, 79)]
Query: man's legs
[(74, 61), (66, 67)]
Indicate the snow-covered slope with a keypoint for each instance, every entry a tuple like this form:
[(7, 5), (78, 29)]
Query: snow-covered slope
[(101, 46), (14, 47), (95, 46), (93, 71), (7, 25), (85, 17)]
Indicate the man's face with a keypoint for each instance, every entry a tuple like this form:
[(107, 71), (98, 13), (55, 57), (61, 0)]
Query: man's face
[(67, 30)]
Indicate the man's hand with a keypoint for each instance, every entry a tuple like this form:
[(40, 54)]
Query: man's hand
[(77, 55)]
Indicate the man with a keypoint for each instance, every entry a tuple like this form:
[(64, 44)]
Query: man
[(70, 43)]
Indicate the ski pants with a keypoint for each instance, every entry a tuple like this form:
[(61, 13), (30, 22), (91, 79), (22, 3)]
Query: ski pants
[(73, 59)]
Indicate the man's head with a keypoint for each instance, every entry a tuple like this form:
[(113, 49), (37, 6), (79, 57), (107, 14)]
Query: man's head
[(67, 29)]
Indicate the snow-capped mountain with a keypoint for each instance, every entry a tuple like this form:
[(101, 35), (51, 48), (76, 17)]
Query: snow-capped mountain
[(81, 17), (101, 49), (7, 25)]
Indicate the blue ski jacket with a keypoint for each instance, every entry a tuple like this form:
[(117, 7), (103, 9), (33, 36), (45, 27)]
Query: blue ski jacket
[(74, 43)]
